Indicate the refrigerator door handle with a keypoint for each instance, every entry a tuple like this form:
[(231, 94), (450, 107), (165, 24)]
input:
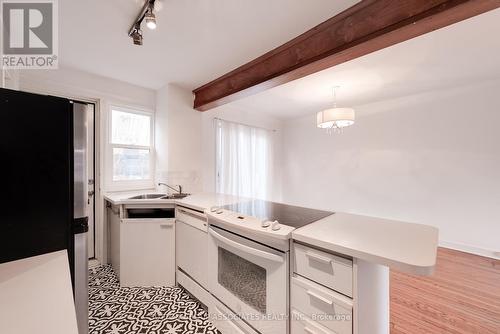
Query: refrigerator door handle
[(81, 225)]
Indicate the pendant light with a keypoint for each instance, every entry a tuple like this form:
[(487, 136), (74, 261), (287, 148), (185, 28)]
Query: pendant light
[(335, 119)]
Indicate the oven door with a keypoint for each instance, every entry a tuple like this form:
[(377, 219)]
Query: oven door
[(251, 279)]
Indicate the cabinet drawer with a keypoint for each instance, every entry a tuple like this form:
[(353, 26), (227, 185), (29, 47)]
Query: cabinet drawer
[(191, 217), (301, 324), (330, 270), (226, 321), (322, 305)]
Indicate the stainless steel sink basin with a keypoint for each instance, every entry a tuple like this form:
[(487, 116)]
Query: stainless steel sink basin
[(147, 196), (175, 196)]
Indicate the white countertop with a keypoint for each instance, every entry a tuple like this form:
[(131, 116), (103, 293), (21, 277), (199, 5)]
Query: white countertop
[(199, 201), (122, 197), (36, 296), (204, 201), (410, 248)]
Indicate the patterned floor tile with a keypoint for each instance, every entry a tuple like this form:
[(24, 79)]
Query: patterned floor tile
[(138, 310)]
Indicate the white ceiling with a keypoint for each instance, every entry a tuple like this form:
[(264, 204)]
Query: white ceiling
[(457, 55), (195, 42)]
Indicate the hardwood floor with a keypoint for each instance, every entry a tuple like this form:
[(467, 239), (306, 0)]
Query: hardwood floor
[(463, 296)]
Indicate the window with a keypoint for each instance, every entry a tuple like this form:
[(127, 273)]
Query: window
[(243, 160), (131, 147)]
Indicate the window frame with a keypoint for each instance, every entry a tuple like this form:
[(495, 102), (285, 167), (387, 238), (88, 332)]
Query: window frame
[(121, 185)]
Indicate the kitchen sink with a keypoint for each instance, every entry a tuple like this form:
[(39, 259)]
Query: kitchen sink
[(160, 196), (147, 196), (175, 196)]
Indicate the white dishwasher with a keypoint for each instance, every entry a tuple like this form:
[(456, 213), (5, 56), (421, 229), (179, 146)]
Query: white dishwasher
[(192, 245), (147, 246)]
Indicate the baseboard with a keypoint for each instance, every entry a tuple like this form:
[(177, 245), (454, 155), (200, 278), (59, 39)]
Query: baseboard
[(471, 249)]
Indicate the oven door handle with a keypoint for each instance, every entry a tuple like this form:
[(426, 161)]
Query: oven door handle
[(247, 249)]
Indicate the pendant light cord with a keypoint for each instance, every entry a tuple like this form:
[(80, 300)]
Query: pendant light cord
[(335, 96)]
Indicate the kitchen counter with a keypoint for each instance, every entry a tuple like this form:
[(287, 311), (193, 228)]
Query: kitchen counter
[(374, 244), (204, 201), (36, 295), (199, 201), (122, 197), (409, 248)]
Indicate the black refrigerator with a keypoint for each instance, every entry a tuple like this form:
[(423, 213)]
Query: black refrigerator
[(43, 148)]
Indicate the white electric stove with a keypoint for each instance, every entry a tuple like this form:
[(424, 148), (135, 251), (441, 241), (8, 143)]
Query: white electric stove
[(266, 222), (249, 259)]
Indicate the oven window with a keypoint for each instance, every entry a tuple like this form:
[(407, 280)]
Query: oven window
[(244, 279)]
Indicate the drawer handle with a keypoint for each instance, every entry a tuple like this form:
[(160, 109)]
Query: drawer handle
[(309, 331), (166, 224), (319, 258), (320, 298), (193, 214)]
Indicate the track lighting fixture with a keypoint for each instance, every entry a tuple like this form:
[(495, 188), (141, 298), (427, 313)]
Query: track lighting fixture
[(146, 13), (137, 35)]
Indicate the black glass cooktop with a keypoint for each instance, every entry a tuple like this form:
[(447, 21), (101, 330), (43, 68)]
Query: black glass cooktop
[(294, 216)]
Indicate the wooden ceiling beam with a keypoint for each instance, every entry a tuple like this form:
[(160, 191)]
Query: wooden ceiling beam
[(368, 26)]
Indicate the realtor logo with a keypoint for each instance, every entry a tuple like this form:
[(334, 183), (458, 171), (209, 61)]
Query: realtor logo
[(29, 34)]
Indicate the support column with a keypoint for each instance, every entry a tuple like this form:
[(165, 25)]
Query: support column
[(372, 298)]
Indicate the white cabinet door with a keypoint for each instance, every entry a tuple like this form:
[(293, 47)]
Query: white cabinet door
[(192, 252), (147, 252)]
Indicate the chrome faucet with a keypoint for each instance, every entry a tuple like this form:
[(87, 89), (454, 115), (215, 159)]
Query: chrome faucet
[(179, 190)]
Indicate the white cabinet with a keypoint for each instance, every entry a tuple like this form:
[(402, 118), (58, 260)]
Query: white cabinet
[(147, 252), (327, 307), (192, 244)]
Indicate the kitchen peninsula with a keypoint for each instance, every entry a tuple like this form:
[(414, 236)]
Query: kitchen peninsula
[(339, 262)]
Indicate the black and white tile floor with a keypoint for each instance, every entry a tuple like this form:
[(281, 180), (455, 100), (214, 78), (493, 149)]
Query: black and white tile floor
[(152, 310)]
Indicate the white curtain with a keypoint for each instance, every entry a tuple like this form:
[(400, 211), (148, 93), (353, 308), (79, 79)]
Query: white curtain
[(244, 163)]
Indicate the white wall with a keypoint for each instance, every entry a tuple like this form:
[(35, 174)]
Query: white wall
[(249, 117), (178, 139), (432, 158), (10, 79), (78, 84)]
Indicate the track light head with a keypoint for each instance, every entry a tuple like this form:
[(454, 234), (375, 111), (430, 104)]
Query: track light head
[(137, 36), (150, 19)]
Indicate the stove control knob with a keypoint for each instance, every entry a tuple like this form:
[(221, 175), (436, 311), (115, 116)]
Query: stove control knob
[(275, 225), (265, 223)]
